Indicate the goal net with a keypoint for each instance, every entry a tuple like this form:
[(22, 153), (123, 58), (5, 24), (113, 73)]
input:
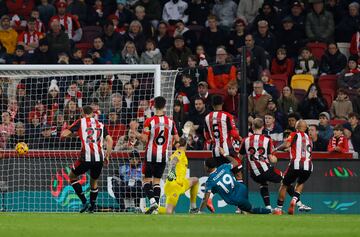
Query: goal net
[(38, 102)]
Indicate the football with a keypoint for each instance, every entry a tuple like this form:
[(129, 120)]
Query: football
[(22, 148)]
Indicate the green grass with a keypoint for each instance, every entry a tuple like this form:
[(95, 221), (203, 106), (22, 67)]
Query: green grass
[(119, 225)]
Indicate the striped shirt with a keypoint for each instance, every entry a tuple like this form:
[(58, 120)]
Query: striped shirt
[(257, 149), (92, 134), (300, 151), (160, 130)]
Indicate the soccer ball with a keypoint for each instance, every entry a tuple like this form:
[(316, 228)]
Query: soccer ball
[(22, 148)]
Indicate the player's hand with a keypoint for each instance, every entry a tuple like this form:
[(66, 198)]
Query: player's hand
[(272, 158), (171, 175), (107, 158), (222, 151)]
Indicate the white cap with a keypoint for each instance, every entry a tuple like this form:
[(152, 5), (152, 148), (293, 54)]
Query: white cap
[(54, 86)]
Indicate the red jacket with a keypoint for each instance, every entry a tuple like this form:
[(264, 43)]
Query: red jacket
[(286, 68), (115, 131), (220, 75), (341, 142), (231, 104)]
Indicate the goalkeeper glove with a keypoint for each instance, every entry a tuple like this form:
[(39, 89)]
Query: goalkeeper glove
[(171, 175)]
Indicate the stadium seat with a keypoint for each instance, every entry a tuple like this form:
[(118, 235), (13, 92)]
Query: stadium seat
[(335, 122), (344, 48), (84, 47), (328, 82), (328, 96), (299, 94), (221, 92), (317, 49), (89, 33), (301, 81), (279, 81)]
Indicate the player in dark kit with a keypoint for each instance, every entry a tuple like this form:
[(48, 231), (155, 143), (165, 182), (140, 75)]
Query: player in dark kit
[(92, 134), (300, 166), (258, 148), (157, 133)]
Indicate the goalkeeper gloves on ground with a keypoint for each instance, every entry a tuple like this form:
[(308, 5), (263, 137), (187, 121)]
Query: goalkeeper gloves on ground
[(171, 175)]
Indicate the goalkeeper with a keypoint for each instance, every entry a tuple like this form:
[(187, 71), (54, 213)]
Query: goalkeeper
[(176, 183)]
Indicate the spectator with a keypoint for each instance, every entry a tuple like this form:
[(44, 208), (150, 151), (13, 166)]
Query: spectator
[(96, 14), (88, 60), (188, 35), (338, 143), (39, 25), (18, 136), (47, 139), (355, 43), (3, 54), (319, 23), (356, 102), (71, 113), (129, 54), (30, 38), (73, 93), (298, 15), (231, 101), (203, 92), (103, 96), (99, 53), (13, 109), (42, 55), (349, 24), (187, 87), (257, 53), (198, 11), (292, 119), (129, 184), (165, 65), (352, 131), (7, 129), (333, 61), (58, 40), (248, 9), (189, 133), (46, 11), (116, 105), (8, 36), (69, 22), (20, 7), (290, 37), (313, 103), (279, 116), (53, 101), (141, 16), (96, 110), (265, 77), (19, 57), (281, 64), (307, 64), (41, 112), (113, 41), (350, 79), (63, 58), (162, 39), (130, 103), (222, 72), (76, 56), (129, 142), (34, 126), (258, 100), (265, 39), (342, 106), (23, 104), (225, 11), (336, 8), (152, 55), (319, 144), (136, 35), (268, 13), (179, 115), (197, 116), (201, 56), (287, 102), (124, 15), (178, 54), (196, 72), (213, 37), (237, 37), (152, 10), (325, 129), (272, 128), (85, 14), (144, 112), (114, 126), (175, 10)]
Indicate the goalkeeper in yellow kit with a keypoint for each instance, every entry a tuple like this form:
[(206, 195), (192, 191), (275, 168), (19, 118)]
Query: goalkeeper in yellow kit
[(177, 183)]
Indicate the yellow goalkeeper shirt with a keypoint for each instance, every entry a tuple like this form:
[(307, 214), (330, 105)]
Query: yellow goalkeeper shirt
[(181, 166)]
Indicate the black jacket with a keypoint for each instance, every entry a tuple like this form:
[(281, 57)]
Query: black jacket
[(333, 64)]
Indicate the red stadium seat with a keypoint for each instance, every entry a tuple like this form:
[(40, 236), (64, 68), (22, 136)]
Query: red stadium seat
[(317, 49), (334, 122), (328, 82), (328, 96), (299, 94), (84, 47), (279, 81), (89, 33)]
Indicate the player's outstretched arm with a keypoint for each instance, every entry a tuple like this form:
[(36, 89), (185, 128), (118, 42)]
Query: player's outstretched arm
[(283, 146), (109, 146), (233, 161), (204, 201), (66, 133)]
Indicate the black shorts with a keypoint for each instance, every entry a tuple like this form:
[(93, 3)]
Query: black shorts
[(153, 169), (81, 167), (271, 175), (300, 176)]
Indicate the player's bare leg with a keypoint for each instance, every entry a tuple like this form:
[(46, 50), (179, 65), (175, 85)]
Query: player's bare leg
[(194, 188), (78, 190), (93, 194), (298, 189), (280, 201)]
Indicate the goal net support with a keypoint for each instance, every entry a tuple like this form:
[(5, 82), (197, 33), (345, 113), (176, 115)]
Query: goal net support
[(37, 102)]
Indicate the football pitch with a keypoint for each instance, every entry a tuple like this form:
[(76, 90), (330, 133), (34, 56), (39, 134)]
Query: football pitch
[(102, 225)]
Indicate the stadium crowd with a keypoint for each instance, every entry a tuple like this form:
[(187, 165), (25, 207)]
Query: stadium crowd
[(295, 66)]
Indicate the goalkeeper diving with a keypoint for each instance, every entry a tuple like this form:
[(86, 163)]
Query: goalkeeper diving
[(177, 183)]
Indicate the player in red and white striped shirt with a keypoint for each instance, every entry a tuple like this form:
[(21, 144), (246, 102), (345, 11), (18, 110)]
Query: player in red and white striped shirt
[(220, 130), (157, 133), (300, 166), (92, 134)]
